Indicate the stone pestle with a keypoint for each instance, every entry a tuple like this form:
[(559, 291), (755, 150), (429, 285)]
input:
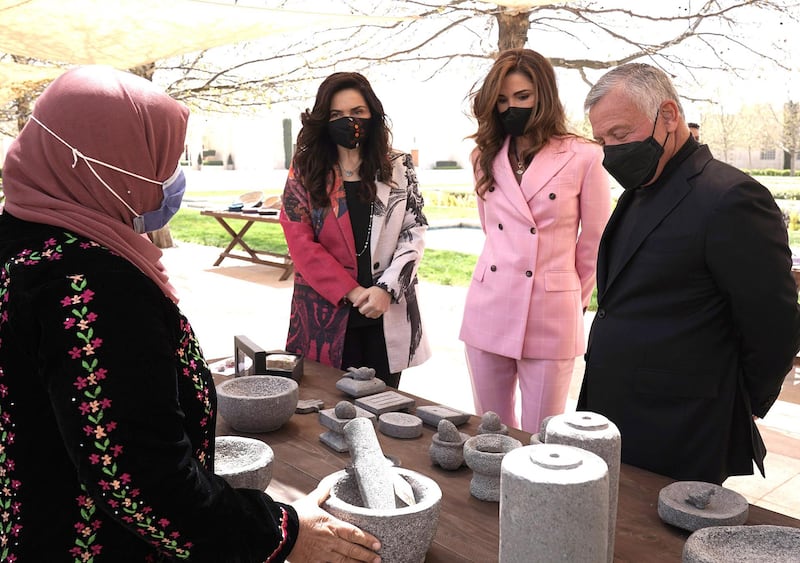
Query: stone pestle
[(374, 475)]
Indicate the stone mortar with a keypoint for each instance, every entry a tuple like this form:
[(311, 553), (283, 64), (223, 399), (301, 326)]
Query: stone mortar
[(245, 463), (484, 454), (406, 532), (257, 403)]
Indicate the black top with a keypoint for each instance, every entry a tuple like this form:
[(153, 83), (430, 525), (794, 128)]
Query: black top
[(107, 418), (360, 219)]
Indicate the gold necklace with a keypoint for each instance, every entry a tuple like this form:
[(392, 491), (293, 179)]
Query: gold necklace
[(520, 163)]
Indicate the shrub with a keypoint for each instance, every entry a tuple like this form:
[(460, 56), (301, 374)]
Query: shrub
[(767, 172), (446, 165)]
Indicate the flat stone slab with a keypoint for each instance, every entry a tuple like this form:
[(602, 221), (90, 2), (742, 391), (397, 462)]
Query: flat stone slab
[(743, 544), (432, 414), (388, 401), (335, 441), (306, 406), (692, 505), (329, 420), (359, 387), (400, 425)]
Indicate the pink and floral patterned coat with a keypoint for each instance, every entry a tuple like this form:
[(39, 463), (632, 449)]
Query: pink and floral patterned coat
[(323, 250)]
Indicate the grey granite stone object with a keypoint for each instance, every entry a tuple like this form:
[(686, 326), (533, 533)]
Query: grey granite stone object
[(405, 532), (692, 505), (373, 474), (595, 433), (360, 374), (483, 454), (360, 382), (490, 424), (334, 420), (307, 406), (447, 446), (743, 544), (400, 425), (245, 463), (257, 403), (388, 401), (553, 505), (432, 414)]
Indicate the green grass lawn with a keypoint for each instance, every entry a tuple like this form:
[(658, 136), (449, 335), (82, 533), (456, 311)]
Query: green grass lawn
[(438, 266), (442, 267)]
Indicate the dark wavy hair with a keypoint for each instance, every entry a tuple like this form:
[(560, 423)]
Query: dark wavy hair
[(316, 154), (547, 120)]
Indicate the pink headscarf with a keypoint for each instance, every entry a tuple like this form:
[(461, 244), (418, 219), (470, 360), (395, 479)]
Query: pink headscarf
[(110, 116)]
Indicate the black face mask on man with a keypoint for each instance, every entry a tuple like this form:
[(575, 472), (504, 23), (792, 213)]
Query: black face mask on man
[(634, 164), (348, 132), (515, 119)]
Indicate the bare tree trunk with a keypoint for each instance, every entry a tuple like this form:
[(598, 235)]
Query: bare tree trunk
[(513, 31), (162, 238), (23, 111), (145, 70)]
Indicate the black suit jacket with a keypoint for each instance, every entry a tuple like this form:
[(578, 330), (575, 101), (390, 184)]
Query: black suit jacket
[(698, 324)]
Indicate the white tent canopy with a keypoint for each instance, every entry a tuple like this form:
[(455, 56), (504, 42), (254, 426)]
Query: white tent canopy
[(126, 33)]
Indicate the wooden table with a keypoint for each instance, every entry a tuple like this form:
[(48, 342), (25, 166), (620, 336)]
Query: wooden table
[(468, 528), (273, 259)]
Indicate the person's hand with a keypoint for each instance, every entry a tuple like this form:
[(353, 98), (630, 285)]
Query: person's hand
[(373, 302), (323, 538), (354, 293)]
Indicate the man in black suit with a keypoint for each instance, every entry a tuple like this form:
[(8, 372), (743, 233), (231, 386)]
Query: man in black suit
[(697, 321)]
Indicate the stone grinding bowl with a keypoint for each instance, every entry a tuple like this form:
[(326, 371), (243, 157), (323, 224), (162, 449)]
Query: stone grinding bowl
[(257, 403), (405, 532), (245, 463), (484, 454)]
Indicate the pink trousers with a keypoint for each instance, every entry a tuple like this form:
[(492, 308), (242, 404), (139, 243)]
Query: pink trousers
[(543, 385)]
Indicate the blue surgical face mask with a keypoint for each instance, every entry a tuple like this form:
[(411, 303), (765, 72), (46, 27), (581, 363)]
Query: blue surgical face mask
[(174, 188)]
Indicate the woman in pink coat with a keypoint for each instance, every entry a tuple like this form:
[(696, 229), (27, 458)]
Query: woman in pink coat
[(543, 201), (353, 220)]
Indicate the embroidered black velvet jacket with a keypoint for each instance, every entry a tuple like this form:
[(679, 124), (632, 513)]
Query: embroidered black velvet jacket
[(107, 416)]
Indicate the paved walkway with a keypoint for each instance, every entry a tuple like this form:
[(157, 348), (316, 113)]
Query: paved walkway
[(239, 298)]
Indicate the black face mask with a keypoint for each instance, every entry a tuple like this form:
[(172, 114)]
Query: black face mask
[(515, 119), (348, 132), (634, 164)]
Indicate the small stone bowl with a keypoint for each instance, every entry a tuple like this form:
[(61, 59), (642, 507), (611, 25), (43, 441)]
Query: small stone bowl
[(257, 403), (484, 455), (405, 533), (245, 463)]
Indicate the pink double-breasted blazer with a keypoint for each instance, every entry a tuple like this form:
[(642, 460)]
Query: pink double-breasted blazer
[(536, 272)]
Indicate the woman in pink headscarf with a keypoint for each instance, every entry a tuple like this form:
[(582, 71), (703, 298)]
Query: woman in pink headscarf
[(107, 407)]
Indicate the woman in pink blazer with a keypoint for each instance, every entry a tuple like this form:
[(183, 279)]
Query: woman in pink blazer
[(543, 201)]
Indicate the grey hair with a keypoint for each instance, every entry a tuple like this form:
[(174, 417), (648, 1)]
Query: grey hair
[(646, 86)]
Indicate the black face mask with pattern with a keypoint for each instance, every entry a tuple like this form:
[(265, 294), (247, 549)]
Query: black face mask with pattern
[(634, 164), (348, 132)]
